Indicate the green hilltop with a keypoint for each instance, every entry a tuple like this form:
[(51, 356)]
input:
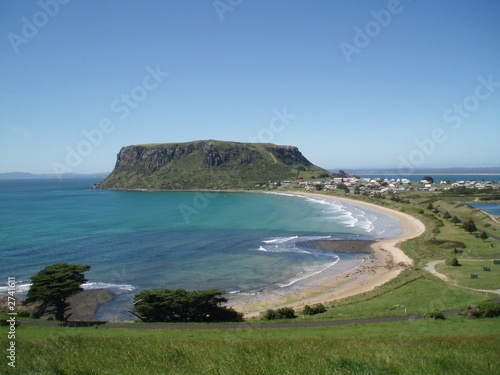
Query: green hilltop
[(207, 164)]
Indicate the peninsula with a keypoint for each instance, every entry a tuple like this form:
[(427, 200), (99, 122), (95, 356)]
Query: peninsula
[(208, 164)]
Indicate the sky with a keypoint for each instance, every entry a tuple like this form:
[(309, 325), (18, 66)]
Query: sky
[(354, 84)]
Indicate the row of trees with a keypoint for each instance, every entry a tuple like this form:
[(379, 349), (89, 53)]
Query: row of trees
[(53, 285), (468, 226)]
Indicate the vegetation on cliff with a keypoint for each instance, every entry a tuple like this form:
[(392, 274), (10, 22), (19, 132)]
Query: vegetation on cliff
[(208, 165)]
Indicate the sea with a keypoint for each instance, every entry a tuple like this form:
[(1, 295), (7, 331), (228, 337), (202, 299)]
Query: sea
[(242, 243)]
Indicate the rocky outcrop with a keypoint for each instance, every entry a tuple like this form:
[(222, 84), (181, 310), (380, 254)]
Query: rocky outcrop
[(205, 164)]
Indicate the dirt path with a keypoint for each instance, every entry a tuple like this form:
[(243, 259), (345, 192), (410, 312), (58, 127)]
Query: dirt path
[(431, 268)]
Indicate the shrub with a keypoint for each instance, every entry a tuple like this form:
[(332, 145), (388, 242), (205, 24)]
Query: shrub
[(316, 309), (269, 315), (283, 313), (489, 309), (482, 310), (5, 322), (436, 314), (452, 261)]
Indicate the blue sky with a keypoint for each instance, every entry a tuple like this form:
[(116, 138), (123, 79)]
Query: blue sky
[(363, 84)]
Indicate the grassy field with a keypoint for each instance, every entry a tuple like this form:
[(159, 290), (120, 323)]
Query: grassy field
[(461, 275), (453, 346)]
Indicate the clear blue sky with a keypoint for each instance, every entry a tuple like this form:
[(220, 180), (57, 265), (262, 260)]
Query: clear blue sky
[(358, 84)]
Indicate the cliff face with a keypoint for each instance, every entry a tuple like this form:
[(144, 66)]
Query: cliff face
[(206, 165)]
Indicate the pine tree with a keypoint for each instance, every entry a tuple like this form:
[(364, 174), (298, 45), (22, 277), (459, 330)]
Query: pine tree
[(53, 285)]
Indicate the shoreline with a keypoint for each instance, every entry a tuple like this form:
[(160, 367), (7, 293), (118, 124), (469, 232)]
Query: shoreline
[(386, 263)]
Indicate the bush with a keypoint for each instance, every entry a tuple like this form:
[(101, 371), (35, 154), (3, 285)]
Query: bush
[(489, 309), (482, 310), (283, 313), (436, 314), (452, 261), (316, 309), (5, 322), (269, 315)]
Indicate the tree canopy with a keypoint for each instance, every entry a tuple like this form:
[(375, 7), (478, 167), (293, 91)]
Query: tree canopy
[(165, 305), (53, 285), (428, 179), (469, 226)]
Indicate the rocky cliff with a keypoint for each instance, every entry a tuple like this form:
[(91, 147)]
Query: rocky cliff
[(207, 165)]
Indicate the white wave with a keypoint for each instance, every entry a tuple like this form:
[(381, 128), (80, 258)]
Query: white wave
[(23, 287), (261, 249), (102, 285), (293, 281), (281, 239)]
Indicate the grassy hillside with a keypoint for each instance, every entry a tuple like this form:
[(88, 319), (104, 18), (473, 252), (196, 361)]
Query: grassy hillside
[(208, 165), (453, 346)]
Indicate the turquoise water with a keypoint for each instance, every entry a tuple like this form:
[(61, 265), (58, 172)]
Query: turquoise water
[(238, 242)]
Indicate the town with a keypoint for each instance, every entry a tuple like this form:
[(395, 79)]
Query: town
[(368, 185)]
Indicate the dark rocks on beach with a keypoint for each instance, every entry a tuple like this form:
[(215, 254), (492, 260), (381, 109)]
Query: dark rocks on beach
[(344, 246), (84, 305)]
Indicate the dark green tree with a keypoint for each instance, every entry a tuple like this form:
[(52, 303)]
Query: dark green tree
[(469, 226), (429, 179), (484, 236), (165, 305), (455, 220), (344, 187), (53, 285), (452, 261), (357, 190), (446, 215)]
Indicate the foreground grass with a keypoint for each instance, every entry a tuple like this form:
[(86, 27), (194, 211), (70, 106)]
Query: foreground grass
[(453, 346)]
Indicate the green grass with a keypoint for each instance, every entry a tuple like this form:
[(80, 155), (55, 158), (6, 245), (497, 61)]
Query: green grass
[(461, 274), (417, 295), (456, 345)]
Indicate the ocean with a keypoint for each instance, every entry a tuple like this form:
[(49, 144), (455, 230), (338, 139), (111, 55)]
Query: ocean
[(242, 243)]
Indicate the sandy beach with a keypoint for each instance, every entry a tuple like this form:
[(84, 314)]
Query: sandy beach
[(386, 262)]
